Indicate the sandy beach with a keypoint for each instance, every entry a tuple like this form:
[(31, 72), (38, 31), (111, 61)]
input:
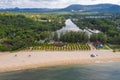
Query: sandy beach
[(33, 59)]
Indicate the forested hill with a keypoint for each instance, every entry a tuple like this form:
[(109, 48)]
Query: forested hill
[(93, 8), (19, 31), (112, 8)]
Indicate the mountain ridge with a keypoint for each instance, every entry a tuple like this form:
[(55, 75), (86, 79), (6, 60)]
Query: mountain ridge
[(71, 8), (92, 8)]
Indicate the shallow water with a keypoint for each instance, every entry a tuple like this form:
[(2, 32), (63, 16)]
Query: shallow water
[(101, 71)]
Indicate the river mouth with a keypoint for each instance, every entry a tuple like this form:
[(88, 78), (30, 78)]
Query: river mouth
[(101, 71)]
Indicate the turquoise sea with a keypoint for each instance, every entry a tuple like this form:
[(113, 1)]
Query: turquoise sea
[(98, 71)]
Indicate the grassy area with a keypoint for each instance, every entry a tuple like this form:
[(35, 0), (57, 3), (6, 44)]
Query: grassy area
[(68, 47), (115, 47), (105, 47)]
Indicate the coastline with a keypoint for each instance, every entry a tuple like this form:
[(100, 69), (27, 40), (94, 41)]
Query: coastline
[(34, 59)]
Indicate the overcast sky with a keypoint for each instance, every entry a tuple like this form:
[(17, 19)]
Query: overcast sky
[(50, 3)]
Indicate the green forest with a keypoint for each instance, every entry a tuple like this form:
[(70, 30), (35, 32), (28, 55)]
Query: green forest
[(21, 30), (109, 26)]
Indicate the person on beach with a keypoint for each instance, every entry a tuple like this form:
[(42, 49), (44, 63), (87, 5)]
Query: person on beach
[(29, 55), (15, 55)]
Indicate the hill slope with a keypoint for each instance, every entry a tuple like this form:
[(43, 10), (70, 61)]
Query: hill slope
[(73, 8), (93, 8)]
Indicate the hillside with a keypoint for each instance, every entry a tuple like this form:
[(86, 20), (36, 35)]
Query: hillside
[(71, 8), (93, 8)]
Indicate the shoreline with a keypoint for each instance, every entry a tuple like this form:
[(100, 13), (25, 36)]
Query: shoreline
[(39, 59)]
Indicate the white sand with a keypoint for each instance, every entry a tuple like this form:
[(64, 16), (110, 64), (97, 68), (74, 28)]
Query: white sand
[(8, 61)]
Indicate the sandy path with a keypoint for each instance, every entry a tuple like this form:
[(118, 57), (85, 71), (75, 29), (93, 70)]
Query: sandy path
[(34, 59)]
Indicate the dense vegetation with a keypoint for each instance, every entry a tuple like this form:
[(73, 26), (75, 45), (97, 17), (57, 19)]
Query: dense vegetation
[(24, 30), (109, 26), (98, 37), (73, 37), (18, 31)]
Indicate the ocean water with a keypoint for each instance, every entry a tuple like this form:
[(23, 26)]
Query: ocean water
[(97, 71)]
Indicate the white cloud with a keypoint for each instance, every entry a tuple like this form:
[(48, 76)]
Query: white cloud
[(50, 3)]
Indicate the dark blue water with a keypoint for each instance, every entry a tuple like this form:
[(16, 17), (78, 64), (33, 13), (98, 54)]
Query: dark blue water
[(101, 71)]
